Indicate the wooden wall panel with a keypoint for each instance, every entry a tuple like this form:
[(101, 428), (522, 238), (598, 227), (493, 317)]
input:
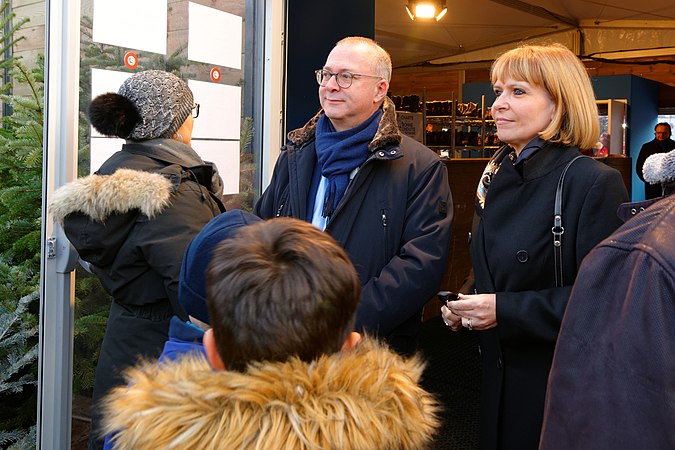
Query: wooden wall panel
[(440, 84)]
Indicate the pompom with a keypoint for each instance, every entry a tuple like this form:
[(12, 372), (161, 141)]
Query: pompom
[(113, 115)]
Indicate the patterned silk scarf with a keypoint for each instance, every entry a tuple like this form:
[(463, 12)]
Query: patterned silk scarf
[(490, 171), (495, 163)]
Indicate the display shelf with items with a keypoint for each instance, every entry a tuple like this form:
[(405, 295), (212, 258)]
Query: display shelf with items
[(460, 130), (450, 128), (409, 116)]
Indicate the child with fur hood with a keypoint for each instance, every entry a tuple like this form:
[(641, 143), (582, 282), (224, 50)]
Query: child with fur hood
[(282, 367)]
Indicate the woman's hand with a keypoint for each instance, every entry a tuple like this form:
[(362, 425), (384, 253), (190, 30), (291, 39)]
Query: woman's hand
[(451, 320), (474, 312)]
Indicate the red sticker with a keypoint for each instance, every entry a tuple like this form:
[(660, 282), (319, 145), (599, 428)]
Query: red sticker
[(215, 74), (130, 60)]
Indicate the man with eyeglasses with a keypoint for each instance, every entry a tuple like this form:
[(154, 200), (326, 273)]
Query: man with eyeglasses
[(661, 143), (383, 196)]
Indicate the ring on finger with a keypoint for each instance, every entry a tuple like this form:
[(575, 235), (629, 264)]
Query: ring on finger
[(468, 324)]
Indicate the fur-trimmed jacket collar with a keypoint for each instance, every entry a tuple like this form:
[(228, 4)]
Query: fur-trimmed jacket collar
[(366, 399), (387, 130), (99, 196)]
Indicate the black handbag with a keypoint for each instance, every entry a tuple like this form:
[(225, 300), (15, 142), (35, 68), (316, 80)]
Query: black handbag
[(558, 230)]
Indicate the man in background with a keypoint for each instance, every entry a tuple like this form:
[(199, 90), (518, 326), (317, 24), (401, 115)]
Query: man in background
[(661, 143)]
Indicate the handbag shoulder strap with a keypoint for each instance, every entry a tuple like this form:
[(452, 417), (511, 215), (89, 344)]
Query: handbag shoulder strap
[(558, 230)]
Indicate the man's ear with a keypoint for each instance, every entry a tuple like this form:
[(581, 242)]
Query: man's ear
[(382, 88), (351, 342), (212, 354)]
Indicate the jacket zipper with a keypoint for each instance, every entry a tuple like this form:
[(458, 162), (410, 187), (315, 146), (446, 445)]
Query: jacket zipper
[(284, 199), (385, 232)]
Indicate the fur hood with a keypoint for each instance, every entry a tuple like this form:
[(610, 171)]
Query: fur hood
[(367, 399), (387, 130), (99, 196)]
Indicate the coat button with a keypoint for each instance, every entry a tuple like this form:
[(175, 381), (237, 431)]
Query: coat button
[(522, 256), (500, 364)]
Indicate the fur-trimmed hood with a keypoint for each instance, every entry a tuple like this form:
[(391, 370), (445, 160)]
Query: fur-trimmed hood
[(366, 399), (387, 130), (99, 196)]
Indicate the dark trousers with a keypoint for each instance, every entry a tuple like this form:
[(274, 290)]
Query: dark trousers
[(133, 332)]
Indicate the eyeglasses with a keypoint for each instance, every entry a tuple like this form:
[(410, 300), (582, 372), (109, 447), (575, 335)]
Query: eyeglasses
[(195, 110), (344, 79)]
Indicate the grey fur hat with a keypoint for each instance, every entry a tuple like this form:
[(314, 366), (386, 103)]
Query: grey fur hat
[(149, 104)]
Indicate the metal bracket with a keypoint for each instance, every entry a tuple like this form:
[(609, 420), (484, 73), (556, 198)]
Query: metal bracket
[(60, 248), (51, 248)]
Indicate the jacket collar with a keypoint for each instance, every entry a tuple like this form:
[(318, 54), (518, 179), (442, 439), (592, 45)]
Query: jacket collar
[(367, 398), (387, 131), (99, 196), (165, 150), (547, 159)]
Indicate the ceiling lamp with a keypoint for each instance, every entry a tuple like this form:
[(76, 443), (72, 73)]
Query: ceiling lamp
[(426, 9)]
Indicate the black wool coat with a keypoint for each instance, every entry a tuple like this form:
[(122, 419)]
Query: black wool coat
[(131, 221), (512, 255)]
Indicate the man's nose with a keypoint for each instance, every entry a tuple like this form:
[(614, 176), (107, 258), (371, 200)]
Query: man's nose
[(332, 83)]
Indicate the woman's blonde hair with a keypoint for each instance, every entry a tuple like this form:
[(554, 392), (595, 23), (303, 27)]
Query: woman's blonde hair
[(561, 73)]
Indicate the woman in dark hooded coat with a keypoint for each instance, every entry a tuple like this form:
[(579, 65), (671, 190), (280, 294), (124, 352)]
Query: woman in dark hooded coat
[(132, 219)]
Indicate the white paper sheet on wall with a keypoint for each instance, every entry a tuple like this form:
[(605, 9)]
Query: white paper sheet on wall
[(101, 149), (214, 36), (219, 110), (136, 24), (225, 155)]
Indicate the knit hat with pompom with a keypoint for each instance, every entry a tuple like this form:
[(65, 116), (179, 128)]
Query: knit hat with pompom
[(150, 104)]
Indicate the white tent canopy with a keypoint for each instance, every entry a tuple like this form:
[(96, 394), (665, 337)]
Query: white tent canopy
[(479, 30)]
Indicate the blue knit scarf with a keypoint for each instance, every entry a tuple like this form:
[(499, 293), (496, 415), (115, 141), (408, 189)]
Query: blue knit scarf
[(340, 152)]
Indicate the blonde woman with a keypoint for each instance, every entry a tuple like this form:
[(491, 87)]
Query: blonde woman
[(545, 112)]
